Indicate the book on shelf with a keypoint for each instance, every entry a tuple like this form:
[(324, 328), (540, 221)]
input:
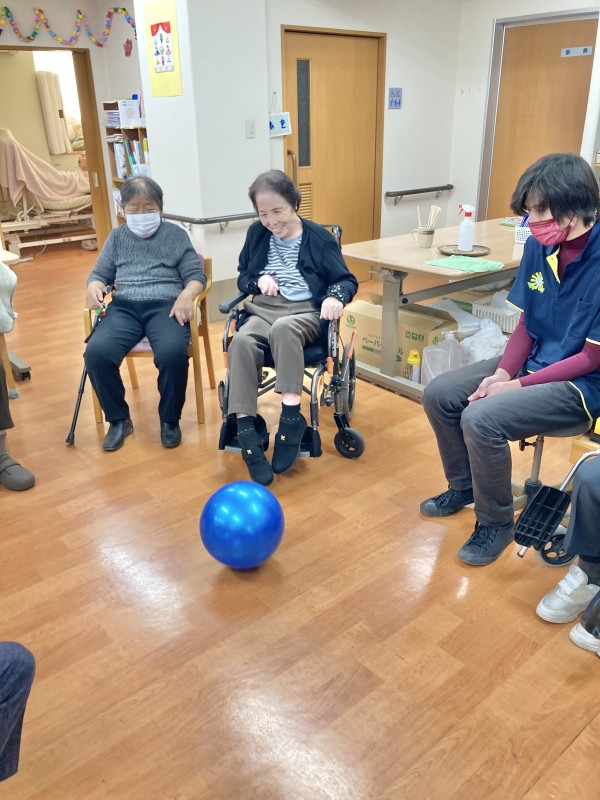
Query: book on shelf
[(120, 162), (117, 201)]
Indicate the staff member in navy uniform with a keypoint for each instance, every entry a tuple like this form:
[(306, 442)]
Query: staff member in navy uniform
[(549, 375)]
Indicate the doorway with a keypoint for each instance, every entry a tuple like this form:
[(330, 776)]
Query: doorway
[(333, 87), (90, 130), (541, 77)]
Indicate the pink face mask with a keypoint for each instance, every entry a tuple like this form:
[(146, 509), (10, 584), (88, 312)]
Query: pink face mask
[(548, 232)]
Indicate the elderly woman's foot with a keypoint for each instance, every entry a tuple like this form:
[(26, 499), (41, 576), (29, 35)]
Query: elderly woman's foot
[(13, 476), (288, 439), (170, 434), (117, 432), (251, 445)]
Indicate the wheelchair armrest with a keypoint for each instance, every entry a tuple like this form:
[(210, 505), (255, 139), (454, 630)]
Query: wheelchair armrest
[(228, 305)]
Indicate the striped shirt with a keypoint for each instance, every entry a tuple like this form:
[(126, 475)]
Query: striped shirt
[(282, 264)]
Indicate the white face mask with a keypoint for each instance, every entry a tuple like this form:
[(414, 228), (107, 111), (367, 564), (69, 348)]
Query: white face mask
[(143, 225)]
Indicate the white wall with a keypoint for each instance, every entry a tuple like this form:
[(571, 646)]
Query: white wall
[(474, 49), (231, 63), (421, 58)]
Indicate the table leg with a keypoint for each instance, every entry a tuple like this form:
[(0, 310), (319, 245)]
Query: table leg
[(392, 289)]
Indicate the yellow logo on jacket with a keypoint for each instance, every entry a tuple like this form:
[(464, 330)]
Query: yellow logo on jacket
[(536, 282)]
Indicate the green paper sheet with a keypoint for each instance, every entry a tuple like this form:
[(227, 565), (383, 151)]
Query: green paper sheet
[(466, 264)]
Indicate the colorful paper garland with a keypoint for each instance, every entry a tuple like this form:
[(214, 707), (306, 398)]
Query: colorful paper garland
[(40, 19)]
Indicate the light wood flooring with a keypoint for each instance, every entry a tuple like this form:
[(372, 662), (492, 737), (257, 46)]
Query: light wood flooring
[(361, 662)]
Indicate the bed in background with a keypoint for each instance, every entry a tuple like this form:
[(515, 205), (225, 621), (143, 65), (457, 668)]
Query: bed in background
[(39, 204)]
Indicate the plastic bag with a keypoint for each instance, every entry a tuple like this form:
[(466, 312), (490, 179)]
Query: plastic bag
[(438, 358), (488, 342)]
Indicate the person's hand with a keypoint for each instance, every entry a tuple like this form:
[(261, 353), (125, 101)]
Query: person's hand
[(492, 385), (268, 285), (94, 297), (331, 308), (183, 308)]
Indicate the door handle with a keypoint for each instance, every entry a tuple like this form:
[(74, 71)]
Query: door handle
[(294, 167)]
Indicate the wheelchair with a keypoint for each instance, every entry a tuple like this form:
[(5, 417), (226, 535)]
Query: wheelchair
[(542, 523), (329, 365)]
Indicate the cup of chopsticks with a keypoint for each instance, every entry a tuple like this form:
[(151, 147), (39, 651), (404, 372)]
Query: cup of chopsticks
[(424, 237)]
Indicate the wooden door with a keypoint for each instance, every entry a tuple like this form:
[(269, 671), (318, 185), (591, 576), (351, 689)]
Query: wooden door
[(332, 88), (542, 101), (93, 144)]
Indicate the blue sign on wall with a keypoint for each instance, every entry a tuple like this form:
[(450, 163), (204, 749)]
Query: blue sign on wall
[(394, 98)]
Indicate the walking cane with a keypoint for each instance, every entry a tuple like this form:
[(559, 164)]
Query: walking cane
[(100, 312)]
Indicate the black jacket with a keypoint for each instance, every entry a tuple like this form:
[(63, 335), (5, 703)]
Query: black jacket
[(320, 262)]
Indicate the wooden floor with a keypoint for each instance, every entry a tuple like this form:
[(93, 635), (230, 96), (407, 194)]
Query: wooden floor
[(363, 661)]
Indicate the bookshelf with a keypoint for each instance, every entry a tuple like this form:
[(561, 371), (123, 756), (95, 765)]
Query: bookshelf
[(125, 133)]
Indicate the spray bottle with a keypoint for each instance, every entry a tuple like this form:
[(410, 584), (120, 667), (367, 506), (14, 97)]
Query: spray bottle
[(466, 229)]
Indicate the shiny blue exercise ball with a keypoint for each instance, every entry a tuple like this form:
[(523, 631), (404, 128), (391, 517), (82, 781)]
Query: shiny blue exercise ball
[(242, 524)]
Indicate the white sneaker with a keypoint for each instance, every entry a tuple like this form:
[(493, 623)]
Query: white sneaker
[(569, 599), (579, 636)]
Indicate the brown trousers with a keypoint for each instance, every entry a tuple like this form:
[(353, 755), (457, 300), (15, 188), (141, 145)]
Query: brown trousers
[(283, 326)]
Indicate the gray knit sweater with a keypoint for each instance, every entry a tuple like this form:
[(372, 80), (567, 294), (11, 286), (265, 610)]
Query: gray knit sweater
[(156, 268)]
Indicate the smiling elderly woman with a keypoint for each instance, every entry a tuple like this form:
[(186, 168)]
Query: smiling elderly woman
[(156, 274), (297, 277)]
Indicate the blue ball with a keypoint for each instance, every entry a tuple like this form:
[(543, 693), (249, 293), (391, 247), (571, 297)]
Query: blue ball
[(242, 524)]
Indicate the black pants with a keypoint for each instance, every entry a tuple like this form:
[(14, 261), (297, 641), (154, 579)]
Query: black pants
[(5, 417), (17, 668), (123, 326)]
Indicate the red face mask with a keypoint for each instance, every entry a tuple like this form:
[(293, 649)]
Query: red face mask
[(548, 232)]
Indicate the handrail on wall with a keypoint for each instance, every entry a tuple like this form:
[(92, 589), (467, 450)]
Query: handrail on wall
[(223, 221), (426, 190)]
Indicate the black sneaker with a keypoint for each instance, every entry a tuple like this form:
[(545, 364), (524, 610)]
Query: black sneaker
[(485, 544), (447, 503)]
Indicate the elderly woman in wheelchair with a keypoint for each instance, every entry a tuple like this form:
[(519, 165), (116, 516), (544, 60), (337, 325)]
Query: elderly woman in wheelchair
[(297, 280)]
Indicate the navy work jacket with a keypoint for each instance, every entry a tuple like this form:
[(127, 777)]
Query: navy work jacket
[(561, 315)]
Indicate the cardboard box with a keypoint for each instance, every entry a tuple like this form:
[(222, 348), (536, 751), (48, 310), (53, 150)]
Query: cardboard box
[(418, 327), (466, 298)]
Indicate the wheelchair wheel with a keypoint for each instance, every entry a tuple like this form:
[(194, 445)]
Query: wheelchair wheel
[(347, 390), (349, 443), (552, 554), (221, 395)]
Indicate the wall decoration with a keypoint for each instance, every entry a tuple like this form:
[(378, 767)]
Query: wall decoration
[(80, 21), (127, 46), (160, 21)]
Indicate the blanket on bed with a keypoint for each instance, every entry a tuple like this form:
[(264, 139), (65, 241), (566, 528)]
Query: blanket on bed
[(20, 170)]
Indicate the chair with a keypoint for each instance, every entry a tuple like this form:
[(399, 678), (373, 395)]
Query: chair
[(198, 329), (13, 392), (544, 508), (331, 368)]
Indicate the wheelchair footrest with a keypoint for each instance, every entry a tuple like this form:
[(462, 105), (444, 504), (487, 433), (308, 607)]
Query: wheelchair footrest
[(541, 517), (228, 434)]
